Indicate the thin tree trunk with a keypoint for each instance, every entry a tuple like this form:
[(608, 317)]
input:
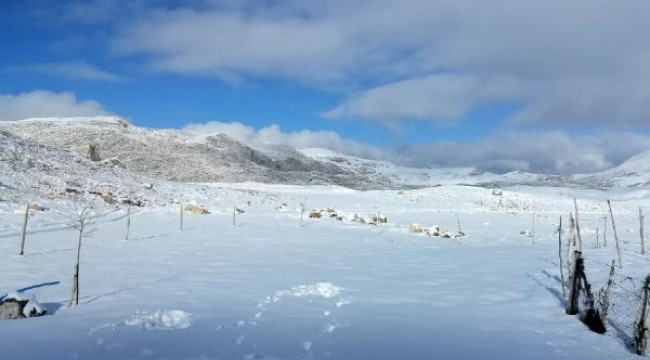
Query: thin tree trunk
[(22, 241), (76, 276), (75, 282), (618, 248)]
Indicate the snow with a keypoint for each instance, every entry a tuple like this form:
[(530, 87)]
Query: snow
[(277, 287), (268, 288), (87, 120), (161, 320)]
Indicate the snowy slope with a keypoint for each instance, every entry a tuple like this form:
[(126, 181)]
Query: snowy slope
[(281, 285), (635, 172), (269, 288), (177, 156)]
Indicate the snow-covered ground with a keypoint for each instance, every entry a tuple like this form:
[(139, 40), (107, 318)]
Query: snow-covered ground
[(269, 288)]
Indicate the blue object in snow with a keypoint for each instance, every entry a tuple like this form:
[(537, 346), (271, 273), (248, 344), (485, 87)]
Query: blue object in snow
[(33, 287)]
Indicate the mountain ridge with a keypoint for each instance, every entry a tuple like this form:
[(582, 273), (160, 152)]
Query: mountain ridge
[(175, 155)]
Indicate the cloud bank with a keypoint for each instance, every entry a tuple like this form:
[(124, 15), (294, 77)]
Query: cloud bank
[(579, 63), (555, 152), (273, 135), (69, 70), (41, 103)]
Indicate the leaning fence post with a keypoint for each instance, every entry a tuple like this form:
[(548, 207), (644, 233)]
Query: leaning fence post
[(618, 248), (575, 278), (641, 335), (575, 203), (604, 294), (22, 241)]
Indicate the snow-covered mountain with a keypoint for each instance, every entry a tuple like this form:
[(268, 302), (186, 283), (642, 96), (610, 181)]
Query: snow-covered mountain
[(633, 173), (178, 156), (53, 153)]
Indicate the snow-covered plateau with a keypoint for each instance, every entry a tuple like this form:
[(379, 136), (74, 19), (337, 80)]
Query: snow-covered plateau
[(259, 278)]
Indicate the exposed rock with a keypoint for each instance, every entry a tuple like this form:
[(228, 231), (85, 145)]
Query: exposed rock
[(195, 209)]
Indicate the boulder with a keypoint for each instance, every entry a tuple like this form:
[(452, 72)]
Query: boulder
[(36, 207), (195, 209), (17, 306)]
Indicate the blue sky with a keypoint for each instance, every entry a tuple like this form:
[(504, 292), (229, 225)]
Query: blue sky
[(545, 86)]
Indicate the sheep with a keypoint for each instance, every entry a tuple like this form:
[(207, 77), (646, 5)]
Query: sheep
[(433, 231), (415, 229), (357, 218), (380, 219), (195, 209)]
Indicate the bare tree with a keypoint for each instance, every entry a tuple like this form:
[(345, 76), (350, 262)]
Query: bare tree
[(83, 215)]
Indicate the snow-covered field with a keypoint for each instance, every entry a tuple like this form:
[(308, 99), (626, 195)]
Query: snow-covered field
[(269, 288)]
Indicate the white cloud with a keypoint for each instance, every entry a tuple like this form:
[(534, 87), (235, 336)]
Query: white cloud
[(274, 135), (577, 62), (555, 152), (439, 97), (71, 70), (41, 103)]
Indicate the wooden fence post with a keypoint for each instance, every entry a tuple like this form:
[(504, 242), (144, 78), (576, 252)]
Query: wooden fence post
[(533, 228), (641, 335), (574, 291), (618, 248), (604, 294), (128, 222), (605, 231), (22, 241), (575, 203), (181, 216), (559, 252), (641, 231), (302, 211)]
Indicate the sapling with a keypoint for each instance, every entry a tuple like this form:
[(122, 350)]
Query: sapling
[(84, 214)]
